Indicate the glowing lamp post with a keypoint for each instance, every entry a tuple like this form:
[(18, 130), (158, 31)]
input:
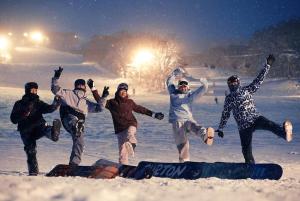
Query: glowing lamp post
[(4, 43), (142, 58), (37, 37), (4, 49)]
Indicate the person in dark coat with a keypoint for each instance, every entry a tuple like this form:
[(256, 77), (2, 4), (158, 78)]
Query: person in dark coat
[(125, 123), (28, 114), (240, 101)]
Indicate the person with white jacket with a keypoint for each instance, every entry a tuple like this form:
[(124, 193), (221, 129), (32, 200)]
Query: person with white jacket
[(73, 110), (180, 113)]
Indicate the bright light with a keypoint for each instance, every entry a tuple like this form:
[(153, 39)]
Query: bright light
[(25, 34), (10, 34), (37, 37), (143, 57), (5, 57), (4, 43)]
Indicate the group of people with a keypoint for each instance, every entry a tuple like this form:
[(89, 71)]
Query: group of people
[(74, 107)]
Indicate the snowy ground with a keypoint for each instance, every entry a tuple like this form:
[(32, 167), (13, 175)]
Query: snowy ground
[(277, 100), (155, 144)]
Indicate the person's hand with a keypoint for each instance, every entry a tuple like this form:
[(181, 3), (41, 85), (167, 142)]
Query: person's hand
[(105, 92), (91, 83), (270, 59), (28, 109), (220, 133), (178, 71), (159, 115), (57, 72), (204, 81), (56, 100)]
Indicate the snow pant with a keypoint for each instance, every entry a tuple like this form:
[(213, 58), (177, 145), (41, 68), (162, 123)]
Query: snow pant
[(75, 127), (29, 138), (180, 133), (127, 143), (261, 123)]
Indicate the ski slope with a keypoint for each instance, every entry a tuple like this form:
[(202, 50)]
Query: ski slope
[(277, 100)]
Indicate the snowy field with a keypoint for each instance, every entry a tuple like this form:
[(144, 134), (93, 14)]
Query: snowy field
[(277, 100), (155, 144)]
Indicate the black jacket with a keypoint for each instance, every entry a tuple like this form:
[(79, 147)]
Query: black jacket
[(30, 103)]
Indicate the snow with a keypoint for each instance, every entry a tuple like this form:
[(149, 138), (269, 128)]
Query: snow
[(277, 100)]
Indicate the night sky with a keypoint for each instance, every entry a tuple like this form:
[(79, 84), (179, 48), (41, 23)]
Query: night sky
[(197, 23)]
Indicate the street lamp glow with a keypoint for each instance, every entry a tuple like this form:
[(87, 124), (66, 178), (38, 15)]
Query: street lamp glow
[(37, 37), (143, 57), (4, 43)]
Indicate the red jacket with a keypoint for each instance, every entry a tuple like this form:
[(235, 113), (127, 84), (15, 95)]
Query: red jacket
[(121, 112)]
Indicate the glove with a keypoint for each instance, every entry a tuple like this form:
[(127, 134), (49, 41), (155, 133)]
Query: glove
[(91, 83), (56, 101), (57, 72), (220, 133), (178, 71), (28, 109), (204, 81), (159, 115), (105, 92), (270, 59)]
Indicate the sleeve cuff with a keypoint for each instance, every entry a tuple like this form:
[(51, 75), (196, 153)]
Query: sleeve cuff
[(153, 115)]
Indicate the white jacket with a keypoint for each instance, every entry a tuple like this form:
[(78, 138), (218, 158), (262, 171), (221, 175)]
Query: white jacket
[(76, 99), (180, 104)]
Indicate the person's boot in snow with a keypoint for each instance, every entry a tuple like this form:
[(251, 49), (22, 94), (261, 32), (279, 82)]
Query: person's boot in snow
[(55, 131)]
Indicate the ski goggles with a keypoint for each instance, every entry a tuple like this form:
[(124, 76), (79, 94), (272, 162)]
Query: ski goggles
[(183, 83)]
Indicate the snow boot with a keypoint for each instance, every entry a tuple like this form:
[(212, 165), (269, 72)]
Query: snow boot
[(288, 128), (55, 131)]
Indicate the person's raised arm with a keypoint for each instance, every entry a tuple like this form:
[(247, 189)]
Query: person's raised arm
[(55, 88), (254, 86), (178, 72)]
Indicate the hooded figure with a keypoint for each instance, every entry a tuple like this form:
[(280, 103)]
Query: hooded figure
[(73, 110), (180, 113), (28, 114), (241, 103), (125, 123)]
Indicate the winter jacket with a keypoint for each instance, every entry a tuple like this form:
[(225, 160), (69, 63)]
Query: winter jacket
[(181, 104), (242, 104), (121, 111), (30, 103), (75, 99)]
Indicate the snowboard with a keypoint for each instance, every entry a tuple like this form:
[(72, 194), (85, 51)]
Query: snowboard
[(195, 170), (101, 169), (62, 170)]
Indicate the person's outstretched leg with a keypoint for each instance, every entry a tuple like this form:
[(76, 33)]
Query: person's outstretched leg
[(246, 142), (206, 134), (181, 141), (284, 131)]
